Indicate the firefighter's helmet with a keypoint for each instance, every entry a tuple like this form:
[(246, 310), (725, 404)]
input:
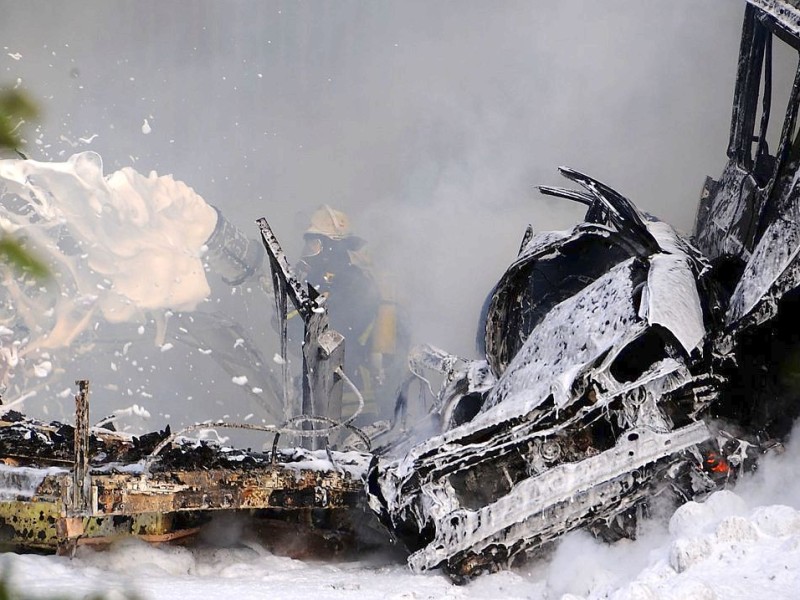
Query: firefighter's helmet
[(331, 223), (327, 222)]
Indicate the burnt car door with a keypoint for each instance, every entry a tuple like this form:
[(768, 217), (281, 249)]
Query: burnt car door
[(748, 224), (756, 192)]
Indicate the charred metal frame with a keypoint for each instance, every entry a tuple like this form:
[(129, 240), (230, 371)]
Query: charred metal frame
[(64, 501), (734, 211), (323, 347), (615, 346)]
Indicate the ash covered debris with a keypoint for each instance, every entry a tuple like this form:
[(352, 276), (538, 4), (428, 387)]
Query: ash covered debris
[(60, 488), (593, 401), (623, 361)]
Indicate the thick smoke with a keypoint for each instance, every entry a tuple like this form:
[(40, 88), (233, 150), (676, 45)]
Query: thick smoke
[(428, 124)]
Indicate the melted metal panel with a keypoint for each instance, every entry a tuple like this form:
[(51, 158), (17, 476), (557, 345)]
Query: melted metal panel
[(673, 301), (459, 530), (576, 333)]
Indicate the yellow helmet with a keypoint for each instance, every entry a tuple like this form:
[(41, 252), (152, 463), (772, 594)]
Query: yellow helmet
[(329, 222)]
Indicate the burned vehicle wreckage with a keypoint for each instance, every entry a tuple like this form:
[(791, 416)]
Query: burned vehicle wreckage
[(622, 362)]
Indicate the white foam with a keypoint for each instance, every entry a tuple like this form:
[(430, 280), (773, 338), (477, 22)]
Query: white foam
[(121, 247)]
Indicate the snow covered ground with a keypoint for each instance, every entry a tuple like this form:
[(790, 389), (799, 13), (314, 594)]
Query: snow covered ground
[(738, 544)]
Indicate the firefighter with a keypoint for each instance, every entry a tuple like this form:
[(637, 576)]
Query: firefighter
[(360, 306)]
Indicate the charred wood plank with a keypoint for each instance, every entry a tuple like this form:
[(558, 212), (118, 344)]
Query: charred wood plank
[(80, 483)]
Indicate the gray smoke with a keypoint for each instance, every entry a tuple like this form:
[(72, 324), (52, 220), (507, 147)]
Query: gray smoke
[(429, 123)]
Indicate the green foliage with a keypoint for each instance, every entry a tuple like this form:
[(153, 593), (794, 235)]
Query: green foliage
[(15, 109), (12, 252)]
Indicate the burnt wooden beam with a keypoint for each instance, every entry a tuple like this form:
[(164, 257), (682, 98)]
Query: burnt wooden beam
[(80, 483)]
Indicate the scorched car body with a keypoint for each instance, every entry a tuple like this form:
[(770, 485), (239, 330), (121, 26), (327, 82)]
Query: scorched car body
[(622, 360)]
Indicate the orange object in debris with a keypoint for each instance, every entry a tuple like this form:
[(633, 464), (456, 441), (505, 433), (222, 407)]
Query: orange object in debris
[(716, 463)]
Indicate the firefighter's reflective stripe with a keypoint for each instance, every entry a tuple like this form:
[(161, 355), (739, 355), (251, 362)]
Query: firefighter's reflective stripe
[(384, 338)]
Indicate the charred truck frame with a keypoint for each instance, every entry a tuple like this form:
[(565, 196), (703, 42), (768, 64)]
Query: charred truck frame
[(622, 362)]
